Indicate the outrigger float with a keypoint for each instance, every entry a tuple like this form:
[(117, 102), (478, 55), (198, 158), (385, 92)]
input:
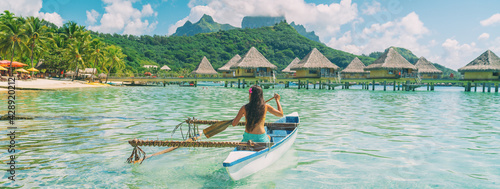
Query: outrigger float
[(246, 159)]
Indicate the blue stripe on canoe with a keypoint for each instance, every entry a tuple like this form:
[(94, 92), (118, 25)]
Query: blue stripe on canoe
[(259, 152), (293, 119)]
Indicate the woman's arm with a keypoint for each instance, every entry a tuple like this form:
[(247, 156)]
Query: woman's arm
[(279, 111), (240, 114)]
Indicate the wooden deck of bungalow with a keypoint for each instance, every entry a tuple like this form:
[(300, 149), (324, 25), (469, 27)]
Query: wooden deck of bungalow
[(404, 84)]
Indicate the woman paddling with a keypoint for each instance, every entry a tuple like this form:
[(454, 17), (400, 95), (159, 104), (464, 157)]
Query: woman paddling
[(255, 115)]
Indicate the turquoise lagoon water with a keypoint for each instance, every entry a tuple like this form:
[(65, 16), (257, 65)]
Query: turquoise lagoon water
[(348, 138)]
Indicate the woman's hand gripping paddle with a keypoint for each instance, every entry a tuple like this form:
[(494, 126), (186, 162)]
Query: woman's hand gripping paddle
[(220, 126)]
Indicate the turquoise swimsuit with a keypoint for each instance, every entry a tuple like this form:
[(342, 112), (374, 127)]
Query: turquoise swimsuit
[(255, 137)]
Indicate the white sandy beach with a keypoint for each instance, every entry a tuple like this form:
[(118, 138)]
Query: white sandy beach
[(48, 84)]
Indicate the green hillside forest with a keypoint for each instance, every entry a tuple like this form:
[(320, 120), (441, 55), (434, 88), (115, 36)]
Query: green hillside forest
[(280, 44)]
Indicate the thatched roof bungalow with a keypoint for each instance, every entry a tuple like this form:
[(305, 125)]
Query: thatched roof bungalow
[(427, 70), (165, 67), (204, 68), (391, 65), (253, 64), (484, 67), (315, 65), (226, 69), (287, 71), (355, 70), (293, 63)]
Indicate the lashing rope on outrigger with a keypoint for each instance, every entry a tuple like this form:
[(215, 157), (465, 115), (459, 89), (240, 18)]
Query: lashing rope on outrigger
[(207, 144), (139, 155)]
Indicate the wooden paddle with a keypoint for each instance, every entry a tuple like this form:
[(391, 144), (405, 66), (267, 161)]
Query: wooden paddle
[(220, 126)]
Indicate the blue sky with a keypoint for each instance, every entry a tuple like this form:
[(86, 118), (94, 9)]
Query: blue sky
[(448, 32)]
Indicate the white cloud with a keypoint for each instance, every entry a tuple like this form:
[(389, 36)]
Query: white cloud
[(457, 55), (121, 16), (483, 36), (324, 19), (371, 9), (21, 7), (491, 20), (148, 11), (92, 17), (52, 17), (495, 45), (404, 32), (173, 28), (27, 8)]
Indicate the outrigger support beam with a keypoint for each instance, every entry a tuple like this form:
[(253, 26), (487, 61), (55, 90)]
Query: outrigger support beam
[(176, 144)]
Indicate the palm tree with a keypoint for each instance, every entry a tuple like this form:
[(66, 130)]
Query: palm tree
[(36, 33), (12, 38), (115, 56), (76, 49), (72, 30), (96, 47), (6, 16)]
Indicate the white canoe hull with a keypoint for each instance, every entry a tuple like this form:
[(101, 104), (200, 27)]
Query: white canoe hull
[(240, 164)]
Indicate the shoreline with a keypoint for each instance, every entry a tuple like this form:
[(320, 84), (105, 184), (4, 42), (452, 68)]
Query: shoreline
[(48, 84)]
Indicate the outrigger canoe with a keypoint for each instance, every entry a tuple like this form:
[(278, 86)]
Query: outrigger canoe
[(243, 163), (247, 157)]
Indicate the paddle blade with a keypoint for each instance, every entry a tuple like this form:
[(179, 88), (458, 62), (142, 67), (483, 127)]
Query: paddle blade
[(216, 128)]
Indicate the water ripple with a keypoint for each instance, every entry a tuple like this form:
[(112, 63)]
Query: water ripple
[(347, 138)]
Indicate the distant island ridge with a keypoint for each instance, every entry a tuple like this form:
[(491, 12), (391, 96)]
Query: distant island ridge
[(206, 24)]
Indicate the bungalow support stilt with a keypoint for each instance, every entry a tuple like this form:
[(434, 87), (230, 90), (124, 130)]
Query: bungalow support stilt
[(239, 83), (496, 88), (489, 87), (373, 85), (307, 84), (385, 85)]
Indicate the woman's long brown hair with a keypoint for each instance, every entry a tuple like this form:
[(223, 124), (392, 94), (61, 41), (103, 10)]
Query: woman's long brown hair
[(255, 109)]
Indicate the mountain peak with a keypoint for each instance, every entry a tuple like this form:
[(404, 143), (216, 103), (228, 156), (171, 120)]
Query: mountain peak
[(206, 24), (206, 18)]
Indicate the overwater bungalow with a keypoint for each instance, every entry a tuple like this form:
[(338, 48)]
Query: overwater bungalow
[(355, 70), (391, 65), (253, 65), (226, 69), (287, 71), (484, 67), (204, 68), (427, 70), (315, 65)]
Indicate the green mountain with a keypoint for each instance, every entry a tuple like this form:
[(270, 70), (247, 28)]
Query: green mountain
[(302, 31), (260, 21), (206, 24), (412, 58), (280, 44), (263, 21)]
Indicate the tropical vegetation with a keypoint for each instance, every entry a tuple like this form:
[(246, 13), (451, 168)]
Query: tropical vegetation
[(70, 47)]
